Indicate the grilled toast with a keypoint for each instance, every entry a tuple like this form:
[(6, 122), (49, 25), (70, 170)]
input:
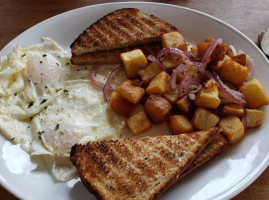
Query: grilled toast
[(218, 144), (137, 169), (122, 28), (113, 56)]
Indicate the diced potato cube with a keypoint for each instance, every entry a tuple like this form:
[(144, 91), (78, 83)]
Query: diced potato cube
[(209, 40), (130, 92), (189, 70), (241, 59), (219, 53), (121, 105), (159, 85), (254, 117), (175, 40), (138, 123), (232, 109), (149, 73), (171, 96), (232, 71), (254, 93), (208, 96), (229, 85), (133, 61), (157, 108), (210, 83), (170, 62), (204, 119), (194, 48), (202, 48), (185, 106), (180, 124), (233, 128), (135, 82)]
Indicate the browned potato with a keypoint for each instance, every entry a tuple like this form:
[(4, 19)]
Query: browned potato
[(233, 128), (229, 85), (254, 117), (159, 85), (170, 62), (175, 40), (185, 106), (180, 124), (254, 93), (171, 96), (232, 71), (130, 92), (232, 109), (204, 119), (202, 48), (121, 105), (157, 108), (193, 71), (138, 123), (208, 96), (241, 59), (219, 52), (149, 73), (209, 39), (133, 61)]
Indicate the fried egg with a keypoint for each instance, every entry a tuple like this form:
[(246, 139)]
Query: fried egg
[(47, 105)]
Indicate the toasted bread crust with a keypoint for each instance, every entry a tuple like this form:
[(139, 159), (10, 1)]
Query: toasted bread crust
[(218, 144), (113, 56), (119, 29), (137, 169)]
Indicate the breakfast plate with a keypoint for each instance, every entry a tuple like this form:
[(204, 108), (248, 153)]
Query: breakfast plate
[(221, 178)]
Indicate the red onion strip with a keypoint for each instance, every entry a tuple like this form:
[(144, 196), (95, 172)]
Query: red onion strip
[(108, 82), (211, 48), (228, 95), (157, 62), (173, 79), (171, 50), (93, 75), (185, 85)]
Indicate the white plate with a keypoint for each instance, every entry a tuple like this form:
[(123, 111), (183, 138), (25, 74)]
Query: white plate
[(221, 178)]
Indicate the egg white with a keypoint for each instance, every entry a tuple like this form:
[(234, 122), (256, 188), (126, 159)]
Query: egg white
[(47, 105)]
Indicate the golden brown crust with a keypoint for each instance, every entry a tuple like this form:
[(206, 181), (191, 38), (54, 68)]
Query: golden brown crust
[(119, 29), (137, 169), (113, 56)]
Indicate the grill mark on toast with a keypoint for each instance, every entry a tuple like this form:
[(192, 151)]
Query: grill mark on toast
[(132, 174), (138, 28), (119, 34), (154, 188), (117, 181)]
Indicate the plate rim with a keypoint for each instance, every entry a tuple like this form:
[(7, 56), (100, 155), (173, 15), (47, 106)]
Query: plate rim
[(247, 180)]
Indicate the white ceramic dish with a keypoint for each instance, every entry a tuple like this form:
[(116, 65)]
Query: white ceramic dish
[(221, 178)]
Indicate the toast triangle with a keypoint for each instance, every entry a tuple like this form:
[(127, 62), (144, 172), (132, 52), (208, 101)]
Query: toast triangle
[(120, 29), (137, 168)]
